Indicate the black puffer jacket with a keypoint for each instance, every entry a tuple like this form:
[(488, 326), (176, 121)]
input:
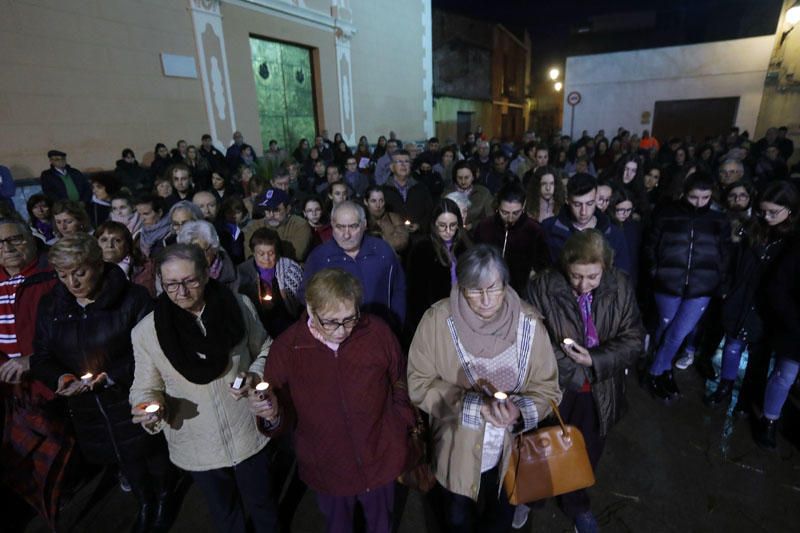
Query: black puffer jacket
[(619, 329), (687, 250), (782, 296), (71, 339)]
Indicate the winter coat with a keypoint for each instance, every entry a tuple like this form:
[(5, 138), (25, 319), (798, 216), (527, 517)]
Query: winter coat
[(481, 201), (619, 328), (560, 227), (289, 276), (132, 176), (745, 301), (71, 339), (438, 385), (205, 428), (782, 296), (523, 246), (687, 250), (53, 186), (295, 234), (417, 206), (349, 409)]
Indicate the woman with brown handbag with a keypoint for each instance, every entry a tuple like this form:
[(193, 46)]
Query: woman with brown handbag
[(590, 312), (480, 339)]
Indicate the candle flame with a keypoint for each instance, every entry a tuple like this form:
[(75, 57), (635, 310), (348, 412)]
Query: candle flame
[(261, 387), (152, 408), (408, 222), (267, 297), (568, 342), (501, 396), (87, 376)]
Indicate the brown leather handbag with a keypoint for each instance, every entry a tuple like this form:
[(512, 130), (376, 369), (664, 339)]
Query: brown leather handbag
[(547, 462), (418, 474)]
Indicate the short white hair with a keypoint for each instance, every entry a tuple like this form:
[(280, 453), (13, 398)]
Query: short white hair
[(199, 230), (460, 198), (348, 204)]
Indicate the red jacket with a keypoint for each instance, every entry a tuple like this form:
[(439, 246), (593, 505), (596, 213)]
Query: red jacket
[(349, 409), (19, 296)]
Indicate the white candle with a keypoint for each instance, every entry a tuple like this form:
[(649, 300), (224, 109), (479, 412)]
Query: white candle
[(261, 387), (568, 342), (267, 297), (87, 377), (408, 222), (152, 408), (500, 396)]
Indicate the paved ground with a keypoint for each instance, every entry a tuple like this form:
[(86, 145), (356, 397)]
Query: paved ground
[(671, 469)]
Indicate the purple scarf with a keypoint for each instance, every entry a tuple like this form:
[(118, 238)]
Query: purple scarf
[(589, 330)]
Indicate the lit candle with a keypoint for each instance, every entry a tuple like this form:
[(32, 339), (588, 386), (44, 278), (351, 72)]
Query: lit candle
[(568, 342), (267, 297), (408, 222), (87, 377), (261, 388), (500, 396), (152, 408)]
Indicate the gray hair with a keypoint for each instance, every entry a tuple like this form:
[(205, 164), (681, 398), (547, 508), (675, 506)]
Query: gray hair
[(186, 205), (21, 226), (736, 162), (186, 252), (362, 216), (476, 265), (460, 198), (199, 230)]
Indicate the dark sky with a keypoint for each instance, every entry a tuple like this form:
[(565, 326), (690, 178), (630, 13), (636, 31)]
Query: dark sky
[(553, 24)]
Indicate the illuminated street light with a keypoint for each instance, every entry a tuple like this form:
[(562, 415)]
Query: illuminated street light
[(558, 86), (554, 72)]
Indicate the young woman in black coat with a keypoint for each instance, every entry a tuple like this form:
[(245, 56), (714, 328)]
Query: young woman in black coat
[(83, 352), (754, 257), (432, 259)]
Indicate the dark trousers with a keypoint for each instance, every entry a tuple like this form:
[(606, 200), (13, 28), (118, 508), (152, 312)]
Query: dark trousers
[(244, 487), (489, 514), (578, 409), (377, 505), (150, 477)]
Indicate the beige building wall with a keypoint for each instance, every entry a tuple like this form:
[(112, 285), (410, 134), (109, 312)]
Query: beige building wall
[(86, 77)]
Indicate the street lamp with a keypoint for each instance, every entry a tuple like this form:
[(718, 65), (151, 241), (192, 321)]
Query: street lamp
[(554, 73), (558, 86)]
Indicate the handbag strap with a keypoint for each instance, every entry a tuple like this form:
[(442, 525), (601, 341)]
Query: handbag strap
[(560, 420)]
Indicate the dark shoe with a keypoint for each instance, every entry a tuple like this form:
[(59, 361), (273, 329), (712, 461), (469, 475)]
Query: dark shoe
[(162, 517), (668, 382), (765, 432), (706, 368), (586, 523), (656, 387), (722, 394), (144, 519)]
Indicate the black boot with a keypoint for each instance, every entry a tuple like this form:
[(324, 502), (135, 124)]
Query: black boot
[(722, 394), (668, 382), (162, 516), (656, 387), (145, 518), (765, 432)]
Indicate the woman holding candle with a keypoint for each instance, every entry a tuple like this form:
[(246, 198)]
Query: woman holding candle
[(382, 223), (481, 333), (83, 351), (590, 312), (271, 282), (431, 271), (188, 353), (337, 381)]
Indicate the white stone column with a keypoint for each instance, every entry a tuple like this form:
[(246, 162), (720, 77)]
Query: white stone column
[(343, 32), (212, 58), (427, 68)]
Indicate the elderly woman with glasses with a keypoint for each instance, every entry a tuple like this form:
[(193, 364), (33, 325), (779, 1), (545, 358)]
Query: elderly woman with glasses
[(590, 312), (337, 380), (220, 265), (83, 352), (197, 354), (479, 341)]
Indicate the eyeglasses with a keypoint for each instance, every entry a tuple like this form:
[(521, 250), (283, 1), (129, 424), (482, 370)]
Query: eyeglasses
[(14, 240), (187, 284), (491, 292), (772, 213), (330, 326)]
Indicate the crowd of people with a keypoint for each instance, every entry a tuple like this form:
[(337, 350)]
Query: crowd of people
[(267, 325)]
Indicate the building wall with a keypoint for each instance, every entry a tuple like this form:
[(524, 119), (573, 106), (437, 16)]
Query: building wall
[(446, 112), (86, 77), (617, 88)]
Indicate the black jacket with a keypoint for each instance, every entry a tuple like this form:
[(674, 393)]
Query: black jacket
[(687, 250), (53, 186), (418, 204), (745, 301), (782, 294), (71, 339), (132, 176)]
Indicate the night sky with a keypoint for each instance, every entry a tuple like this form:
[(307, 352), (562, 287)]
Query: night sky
[(553, 24)]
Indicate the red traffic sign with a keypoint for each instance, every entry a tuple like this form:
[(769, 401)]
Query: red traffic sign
[(574, 98)]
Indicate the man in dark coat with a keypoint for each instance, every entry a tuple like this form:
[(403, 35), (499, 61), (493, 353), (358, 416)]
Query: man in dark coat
[(62, 182)]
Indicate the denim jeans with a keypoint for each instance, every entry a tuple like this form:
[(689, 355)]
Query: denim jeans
[(780, 382), (731, 357), (677, 317)]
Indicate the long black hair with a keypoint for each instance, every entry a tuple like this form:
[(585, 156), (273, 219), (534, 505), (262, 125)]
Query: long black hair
[(461, 240), (784, 194)]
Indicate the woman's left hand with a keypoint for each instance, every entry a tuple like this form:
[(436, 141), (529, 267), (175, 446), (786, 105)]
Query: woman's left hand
[(506, 413), (578, 353)]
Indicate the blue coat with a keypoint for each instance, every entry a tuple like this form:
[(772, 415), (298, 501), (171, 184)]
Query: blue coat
[(559, 228), (376, 266), (7, 186)]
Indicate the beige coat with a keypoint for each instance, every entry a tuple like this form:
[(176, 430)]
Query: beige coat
[(294, 232), (205, 427), (438, 385)]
